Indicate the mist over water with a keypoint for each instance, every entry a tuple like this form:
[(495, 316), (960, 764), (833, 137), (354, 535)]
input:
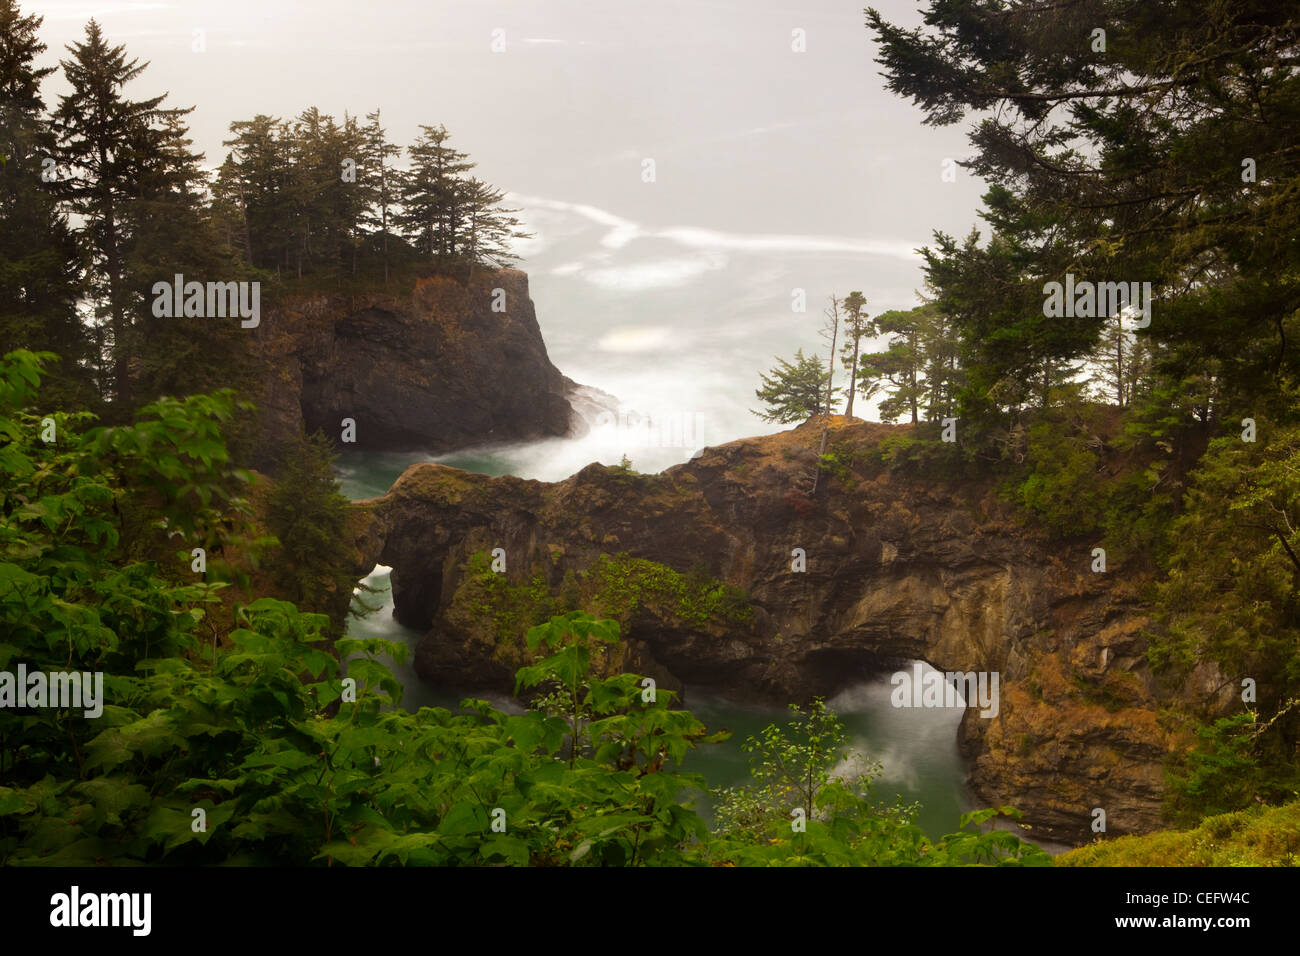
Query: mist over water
[(681, 362), (915, 748), (650, 443)]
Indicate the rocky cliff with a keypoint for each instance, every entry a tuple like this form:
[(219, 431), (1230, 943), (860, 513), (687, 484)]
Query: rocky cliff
[(446, 365), (895, 570)]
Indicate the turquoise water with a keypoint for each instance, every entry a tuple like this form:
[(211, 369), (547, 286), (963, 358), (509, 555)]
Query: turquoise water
[(371, 474), (916, 749)]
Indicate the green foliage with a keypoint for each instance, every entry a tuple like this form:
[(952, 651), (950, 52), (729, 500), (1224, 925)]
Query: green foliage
[(621, 584), (289, 764), (799, 812), (1232, 598), (277, 749), (1231, 593), (39, 260), (1223, 772), (309, 517), (921, 453), (842, 460), (793, 391), (1258, 836), (1063, 488), (919, 366), (512, 608), (790, 766)]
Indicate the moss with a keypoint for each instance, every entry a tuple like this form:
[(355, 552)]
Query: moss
[(842, 460), (496, 613), (511, 608), (619, 585), (1259, 836), (1115, 691), (444, 485)]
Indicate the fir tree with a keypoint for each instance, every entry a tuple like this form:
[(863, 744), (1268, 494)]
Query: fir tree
[(96, 127), (380, 182), (310, 518), (793, 391), (431, 196), (857, 325), (39, 261)]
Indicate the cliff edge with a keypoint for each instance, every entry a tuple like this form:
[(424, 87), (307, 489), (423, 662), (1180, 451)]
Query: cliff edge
[(447, 365)]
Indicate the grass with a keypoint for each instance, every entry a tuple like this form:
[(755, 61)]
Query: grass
[(1259, 836)]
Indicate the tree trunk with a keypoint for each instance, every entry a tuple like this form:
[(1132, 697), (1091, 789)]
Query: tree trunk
[(853, 377), (384, 217), (1119, 363), (119, 320), (830, 374)]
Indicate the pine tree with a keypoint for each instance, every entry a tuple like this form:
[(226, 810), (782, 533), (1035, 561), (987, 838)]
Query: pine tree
[(830, 331), (326, 199), (1121, 364), (109, 144), (489, 230), (899, 365), (431, 196), (1119, 160), (793, 391), (919, 366), (310, 518), (380, 182), (174, 231), (857, 325), (256, 175), (941, 345), (39, 262)]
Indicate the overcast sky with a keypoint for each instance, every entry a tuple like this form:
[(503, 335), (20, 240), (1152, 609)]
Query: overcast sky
[(774, 169)]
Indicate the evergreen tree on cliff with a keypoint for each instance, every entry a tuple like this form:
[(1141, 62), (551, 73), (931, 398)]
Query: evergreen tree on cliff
[(1134, 141), (450, 217), (793, 391), (432, 196), (174, 231), (39, 262), (255, 181), (380, 182), (113, 148), (489, 228), (857, 325), (309, 517)]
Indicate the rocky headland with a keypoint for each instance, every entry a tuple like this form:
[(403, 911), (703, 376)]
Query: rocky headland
[(447, 364), (698, 564)]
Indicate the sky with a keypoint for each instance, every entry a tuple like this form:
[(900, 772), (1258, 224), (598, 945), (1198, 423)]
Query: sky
[(774, 169)]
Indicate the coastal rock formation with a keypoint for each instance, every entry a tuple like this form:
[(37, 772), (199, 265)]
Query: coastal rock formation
[(448, 365), (896, 569)]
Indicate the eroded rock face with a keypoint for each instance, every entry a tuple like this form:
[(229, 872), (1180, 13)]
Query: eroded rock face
[(895, 569), (433, 370)]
